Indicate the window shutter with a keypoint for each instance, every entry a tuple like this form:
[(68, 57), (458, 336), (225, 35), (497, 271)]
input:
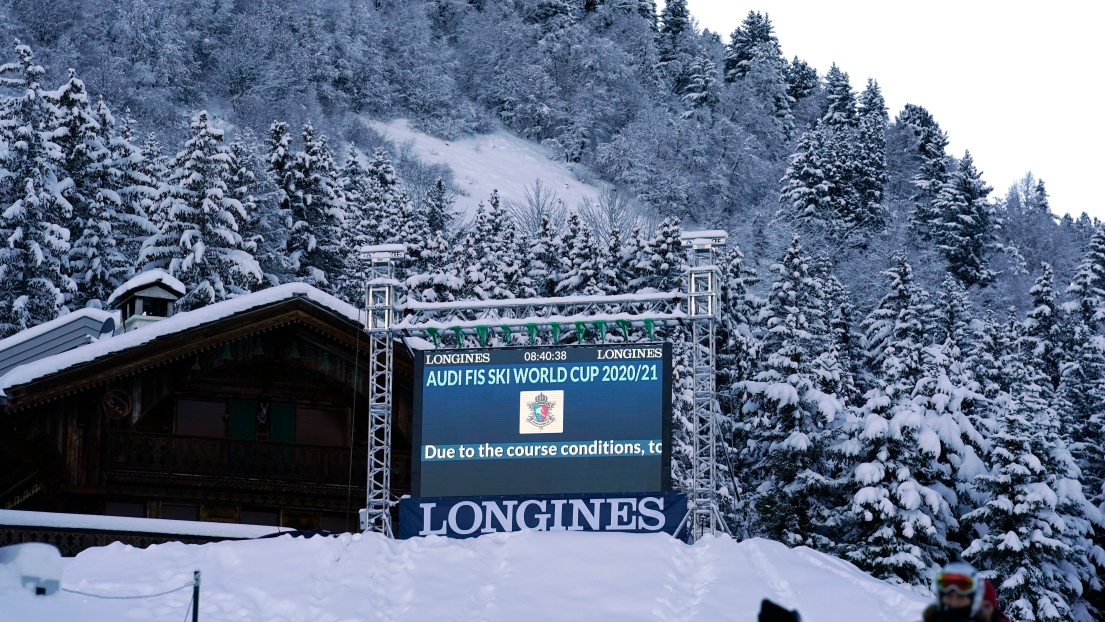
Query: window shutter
[(196, 418), (243, 419), (320, 427), (282, 422), (180, 511)]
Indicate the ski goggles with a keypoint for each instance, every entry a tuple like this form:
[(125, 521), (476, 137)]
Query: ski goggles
[(956, 582)]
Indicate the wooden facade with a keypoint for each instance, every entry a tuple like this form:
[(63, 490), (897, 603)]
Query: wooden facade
[(256, 418)]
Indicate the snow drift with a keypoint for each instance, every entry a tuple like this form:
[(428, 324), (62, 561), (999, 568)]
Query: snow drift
[(531, 576)]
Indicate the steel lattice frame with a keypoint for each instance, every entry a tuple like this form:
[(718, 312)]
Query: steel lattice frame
[(703, 307), (379, 303), (697, 308)]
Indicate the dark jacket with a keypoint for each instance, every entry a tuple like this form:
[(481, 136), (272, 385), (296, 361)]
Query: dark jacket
[(933, 614)]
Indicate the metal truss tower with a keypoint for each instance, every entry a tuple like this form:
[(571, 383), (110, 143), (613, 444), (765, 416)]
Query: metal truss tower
[(698, 307), (703, 302), (379, 302)]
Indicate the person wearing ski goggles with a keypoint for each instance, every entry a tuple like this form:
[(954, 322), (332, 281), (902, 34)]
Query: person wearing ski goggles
[(959, 591)]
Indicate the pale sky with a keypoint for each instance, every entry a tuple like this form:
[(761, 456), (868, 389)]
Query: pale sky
[(1016, 83)]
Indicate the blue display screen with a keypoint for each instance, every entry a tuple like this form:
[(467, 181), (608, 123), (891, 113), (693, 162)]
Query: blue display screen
[(547, 420)]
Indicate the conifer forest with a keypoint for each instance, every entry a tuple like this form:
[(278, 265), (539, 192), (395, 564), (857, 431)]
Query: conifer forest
[(911, 363)]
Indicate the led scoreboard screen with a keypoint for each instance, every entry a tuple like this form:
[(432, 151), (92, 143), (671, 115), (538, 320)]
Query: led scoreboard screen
[(542, 420)]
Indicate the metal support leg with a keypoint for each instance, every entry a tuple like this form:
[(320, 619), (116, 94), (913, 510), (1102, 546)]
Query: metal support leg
[(705, 458), (378, 506)]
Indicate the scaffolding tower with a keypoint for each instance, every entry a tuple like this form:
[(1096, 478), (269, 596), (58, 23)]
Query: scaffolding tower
[(695, 310), (379, 304)]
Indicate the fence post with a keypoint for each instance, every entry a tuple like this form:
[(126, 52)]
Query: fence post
[(196, 596)]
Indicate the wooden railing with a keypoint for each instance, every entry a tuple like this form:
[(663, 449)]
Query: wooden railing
[(206, 456)]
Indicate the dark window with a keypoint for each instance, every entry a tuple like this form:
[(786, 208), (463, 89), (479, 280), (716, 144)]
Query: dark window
[(243, 419), (315, 426), (260, 517), (197, 418), (219, 513), (299, 519), (340, 523), (282, 422), (180, 511), (158, 307), (125, 508)]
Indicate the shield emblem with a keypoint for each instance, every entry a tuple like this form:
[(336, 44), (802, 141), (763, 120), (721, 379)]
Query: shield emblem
[(540, 411)]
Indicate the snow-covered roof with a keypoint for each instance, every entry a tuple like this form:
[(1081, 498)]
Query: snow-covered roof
[(170, 326), (146, 279), (58, 520), (709, 236), (22, 336), (385, 250)]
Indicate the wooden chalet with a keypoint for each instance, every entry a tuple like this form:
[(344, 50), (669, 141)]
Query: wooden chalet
[(252, 410)]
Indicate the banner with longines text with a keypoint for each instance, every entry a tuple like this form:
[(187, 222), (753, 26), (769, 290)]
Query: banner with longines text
[(468, 517)]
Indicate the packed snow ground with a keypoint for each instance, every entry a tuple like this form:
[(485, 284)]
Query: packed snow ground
[(496, 161), (532, 576)]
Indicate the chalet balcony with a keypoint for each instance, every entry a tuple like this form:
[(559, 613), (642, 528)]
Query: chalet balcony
[(137, 453)]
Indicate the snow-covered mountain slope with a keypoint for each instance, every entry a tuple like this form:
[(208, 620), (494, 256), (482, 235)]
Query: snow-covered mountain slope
[(532, 576), (486, 162)]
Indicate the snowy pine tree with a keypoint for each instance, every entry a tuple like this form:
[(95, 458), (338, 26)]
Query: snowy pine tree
[(952, 317), (701, 91), (131, 190), (901, 512), (840, 110), (33, 215), (1042, 328), (766, 78), (738, 342), (200, 241), (438, 206), (963, 224), (931, 144), (545, 259), (439, 277), (579, 267), (486, 248), (1036, 522), (802, 80), (243, 186), (806, 186), (754, 33), (1088, 288), (663, 257), (316, 209), (869, 157), (833, 182), (88, 140), (610, 279), (789, 408)]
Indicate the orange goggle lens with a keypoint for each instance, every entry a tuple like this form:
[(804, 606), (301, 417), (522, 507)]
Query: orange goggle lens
[(964, 584)]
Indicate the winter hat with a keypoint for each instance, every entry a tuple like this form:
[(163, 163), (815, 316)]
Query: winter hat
[(991, 594)]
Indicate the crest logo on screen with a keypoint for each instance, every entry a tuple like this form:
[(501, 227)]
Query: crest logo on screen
[(541, 412)]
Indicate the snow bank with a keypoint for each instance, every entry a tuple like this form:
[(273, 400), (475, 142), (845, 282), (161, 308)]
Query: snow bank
[(531, 576), (170, 326), (496, 161)]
